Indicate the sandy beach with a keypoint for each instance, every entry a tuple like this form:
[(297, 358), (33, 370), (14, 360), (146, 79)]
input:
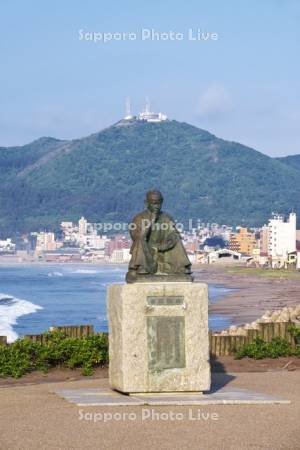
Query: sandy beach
[(254, 292)]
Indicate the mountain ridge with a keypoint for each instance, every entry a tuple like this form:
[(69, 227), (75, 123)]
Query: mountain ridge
[(105, 175)]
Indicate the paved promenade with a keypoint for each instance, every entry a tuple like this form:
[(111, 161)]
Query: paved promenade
[(33, 417)]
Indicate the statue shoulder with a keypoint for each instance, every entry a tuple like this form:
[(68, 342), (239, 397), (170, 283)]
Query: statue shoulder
[(140, 216)]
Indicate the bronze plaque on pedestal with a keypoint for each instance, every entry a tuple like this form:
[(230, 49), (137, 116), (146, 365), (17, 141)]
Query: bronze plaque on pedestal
[(166, 342), (166, 300)]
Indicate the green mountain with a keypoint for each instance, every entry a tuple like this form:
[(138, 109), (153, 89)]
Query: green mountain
[(292, 161), (105, 176)]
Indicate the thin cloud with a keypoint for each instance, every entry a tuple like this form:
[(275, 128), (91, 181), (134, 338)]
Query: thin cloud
[(214, 101)]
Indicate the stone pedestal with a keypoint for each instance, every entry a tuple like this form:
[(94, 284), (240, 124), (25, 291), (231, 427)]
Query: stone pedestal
[(158, 337)]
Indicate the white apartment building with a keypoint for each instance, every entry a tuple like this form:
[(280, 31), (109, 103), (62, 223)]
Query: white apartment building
[(67, 228), (95, 241), (281, 238), (79, 233), (82, 226), (120, 256)]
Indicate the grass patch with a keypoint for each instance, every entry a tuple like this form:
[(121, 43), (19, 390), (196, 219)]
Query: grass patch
[(265, 273)]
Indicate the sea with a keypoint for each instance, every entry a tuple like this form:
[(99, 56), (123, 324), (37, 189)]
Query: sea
[(35, 297)]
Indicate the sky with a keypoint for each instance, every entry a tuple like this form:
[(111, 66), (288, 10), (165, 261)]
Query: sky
[(240, 80)]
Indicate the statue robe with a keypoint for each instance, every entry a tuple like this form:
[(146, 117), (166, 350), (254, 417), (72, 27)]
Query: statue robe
[(170, 256)]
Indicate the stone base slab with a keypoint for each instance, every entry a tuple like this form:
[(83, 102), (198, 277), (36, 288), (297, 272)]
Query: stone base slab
[(223, 396)]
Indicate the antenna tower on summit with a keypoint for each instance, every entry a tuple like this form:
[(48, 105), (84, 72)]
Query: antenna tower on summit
[(147, 106), (128, 115), (145, 116)]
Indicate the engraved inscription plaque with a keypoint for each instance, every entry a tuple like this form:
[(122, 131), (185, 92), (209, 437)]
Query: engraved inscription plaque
[(166, 342), (167, 300)]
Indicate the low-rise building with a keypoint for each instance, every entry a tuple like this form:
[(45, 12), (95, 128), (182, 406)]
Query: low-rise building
[(62, 255), (224, 256), (291, 261), (118, 242), (120, 256), (7, 247), (46, 242), (94, 255), (243, 241), (95, 242), (298, 260)]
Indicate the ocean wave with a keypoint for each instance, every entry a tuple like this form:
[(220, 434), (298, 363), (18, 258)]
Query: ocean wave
[(106, 270), (55, 274), (102, 317), (88, 271), (11, 308)]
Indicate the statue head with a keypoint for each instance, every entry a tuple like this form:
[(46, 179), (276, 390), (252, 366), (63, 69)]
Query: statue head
[(154, 201)]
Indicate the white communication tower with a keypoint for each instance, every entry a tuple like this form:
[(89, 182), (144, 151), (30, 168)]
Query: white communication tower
[(128, 115)]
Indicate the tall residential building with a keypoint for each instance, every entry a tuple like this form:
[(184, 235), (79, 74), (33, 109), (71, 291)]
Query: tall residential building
[(282, 236), (82, 226), (264, 241), (243, 241)]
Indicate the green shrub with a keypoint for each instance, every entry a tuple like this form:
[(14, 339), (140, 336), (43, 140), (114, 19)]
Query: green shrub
[(24, 356), (259, 349), (294, 330)]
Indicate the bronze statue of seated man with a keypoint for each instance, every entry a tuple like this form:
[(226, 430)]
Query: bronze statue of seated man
[(157, 252)]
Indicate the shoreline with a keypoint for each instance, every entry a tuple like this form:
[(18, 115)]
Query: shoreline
[(250, 292), (251, 295), (30, 305), (60, 263)]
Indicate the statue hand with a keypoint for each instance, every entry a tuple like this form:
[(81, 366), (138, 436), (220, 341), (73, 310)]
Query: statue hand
[(154, 251), (146, 226)]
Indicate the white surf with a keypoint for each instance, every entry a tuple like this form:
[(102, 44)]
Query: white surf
[(11, 308)]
